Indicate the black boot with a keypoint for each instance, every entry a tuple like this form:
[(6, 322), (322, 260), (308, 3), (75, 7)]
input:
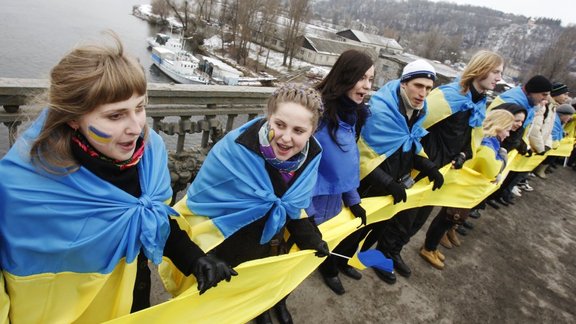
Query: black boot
[(387, 277), (350, 272), (400, 266), (334, 284), (282, 312)]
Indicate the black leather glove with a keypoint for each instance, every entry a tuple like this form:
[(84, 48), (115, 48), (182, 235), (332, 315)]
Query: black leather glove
[(436, 177), (359, 212), (223, 270), (204, 270), (322, 249), (459, 160), (397, 191), (210, 270)]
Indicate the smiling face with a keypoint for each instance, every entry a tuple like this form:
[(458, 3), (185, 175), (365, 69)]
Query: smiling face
[(292, 127), (518, 121), (362, 87), (417, 90), (113, 128), (489, 82)]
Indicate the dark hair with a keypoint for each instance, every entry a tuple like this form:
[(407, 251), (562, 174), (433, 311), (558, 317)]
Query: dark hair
[(346, 72)]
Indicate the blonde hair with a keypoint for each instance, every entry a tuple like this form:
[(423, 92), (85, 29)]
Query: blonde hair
[(479, 67), (84, 79), (300, 94), (497, 120)]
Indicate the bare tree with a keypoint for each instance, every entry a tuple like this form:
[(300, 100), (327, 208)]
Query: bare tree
[(183, 12), (554, 62), (266, 28), (298, 11), (160, 8), (247, 17)]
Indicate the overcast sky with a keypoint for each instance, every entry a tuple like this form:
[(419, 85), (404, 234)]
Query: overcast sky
[(557, 9)]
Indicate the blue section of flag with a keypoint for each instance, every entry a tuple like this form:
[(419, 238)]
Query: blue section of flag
[(375, 259)]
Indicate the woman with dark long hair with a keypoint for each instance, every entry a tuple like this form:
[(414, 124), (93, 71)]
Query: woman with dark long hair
[(343, 92)]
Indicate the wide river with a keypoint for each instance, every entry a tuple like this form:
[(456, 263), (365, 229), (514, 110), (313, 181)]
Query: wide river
[(35, 34)]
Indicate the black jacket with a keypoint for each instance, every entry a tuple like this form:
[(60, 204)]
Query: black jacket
[(447, 138)]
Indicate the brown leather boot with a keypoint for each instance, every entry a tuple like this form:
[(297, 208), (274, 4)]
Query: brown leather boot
[(452, 236), (431, 257), (440, 256), (446, 242)]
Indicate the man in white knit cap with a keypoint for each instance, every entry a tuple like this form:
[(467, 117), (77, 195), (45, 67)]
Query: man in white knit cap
[(389, 145)]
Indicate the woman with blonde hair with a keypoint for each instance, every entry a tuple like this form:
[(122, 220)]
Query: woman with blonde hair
[(255, 182)]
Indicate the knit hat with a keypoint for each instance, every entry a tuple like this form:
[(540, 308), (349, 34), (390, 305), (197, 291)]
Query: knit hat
[(418, 69), (558, 89), (538, 84), (565, 109)]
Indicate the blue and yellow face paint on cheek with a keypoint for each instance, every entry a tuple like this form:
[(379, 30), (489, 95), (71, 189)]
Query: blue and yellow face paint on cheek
[(98, 135)]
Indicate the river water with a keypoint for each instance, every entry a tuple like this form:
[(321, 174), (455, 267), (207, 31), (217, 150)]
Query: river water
[(35, 34)]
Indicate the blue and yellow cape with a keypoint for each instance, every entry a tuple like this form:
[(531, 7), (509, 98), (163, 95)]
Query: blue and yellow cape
[(68, 243), (386, 130)]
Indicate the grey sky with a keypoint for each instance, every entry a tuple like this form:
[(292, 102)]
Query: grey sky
[(557, 9)]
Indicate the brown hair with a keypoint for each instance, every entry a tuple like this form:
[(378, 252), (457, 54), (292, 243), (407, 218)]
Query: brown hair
[(300, 94), (497, 120), (85, 78), (479, 67)]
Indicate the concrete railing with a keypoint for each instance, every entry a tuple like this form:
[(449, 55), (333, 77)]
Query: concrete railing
[(176, 110)]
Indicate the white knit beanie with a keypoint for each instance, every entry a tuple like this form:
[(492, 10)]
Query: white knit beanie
[(418, 69)]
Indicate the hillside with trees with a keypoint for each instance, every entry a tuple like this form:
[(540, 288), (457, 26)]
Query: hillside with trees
[(440, 31)]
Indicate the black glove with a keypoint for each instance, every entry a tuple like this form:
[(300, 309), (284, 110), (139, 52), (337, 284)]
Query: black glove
[(322, 249), (223, 270), (459, 160), (436, 177), (359, 212), (397, 191), (210, 270)]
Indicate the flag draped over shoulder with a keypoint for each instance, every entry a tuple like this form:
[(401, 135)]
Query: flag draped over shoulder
[(557, 130), (515, 95), (75, 237), (233, 189), (447, 100), (386, 130), (487, 160)]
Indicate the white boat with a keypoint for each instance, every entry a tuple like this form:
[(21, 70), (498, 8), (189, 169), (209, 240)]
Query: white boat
[(165, 41), (180, 66)]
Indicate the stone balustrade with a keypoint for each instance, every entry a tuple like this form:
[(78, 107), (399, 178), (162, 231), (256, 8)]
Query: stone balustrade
[(175, 110)]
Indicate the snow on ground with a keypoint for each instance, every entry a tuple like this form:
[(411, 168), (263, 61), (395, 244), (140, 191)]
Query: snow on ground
[(274, 59)]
